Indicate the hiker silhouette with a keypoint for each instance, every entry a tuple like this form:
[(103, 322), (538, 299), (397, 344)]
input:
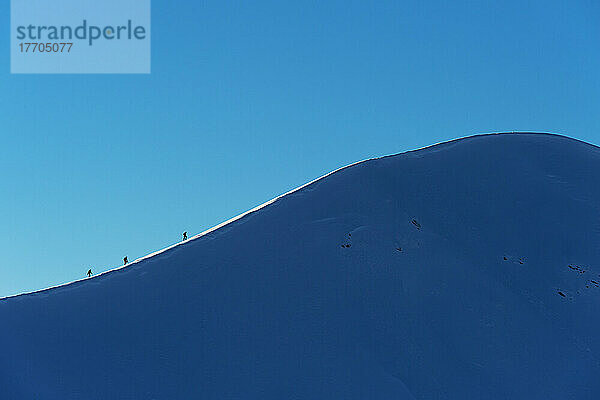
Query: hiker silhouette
[(89, 273), (184, 235), (125, 261)]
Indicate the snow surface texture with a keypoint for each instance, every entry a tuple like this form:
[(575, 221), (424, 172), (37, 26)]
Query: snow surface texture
[(465, 270)]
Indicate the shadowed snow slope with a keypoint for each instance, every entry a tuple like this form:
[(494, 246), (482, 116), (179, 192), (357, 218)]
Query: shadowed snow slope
[(465, 270)]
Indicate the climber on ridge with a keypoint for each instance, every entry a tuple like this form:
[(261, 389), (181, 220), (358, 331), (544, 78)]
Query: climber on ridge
[(184, 235), (89, 273), (125, 261)]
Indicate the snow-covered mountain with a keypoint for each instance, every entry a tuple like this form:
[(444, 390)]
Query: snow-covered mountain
[(465, 270)]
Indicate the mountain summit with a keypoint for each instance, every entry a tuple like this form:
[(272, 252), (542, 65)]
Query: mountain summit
[(465, 270)]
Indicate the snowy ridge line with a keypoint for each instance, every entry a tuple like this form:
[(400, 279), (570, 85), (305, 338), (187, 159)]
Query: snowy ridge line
[(195, 237), (479, 135), (259, 207)]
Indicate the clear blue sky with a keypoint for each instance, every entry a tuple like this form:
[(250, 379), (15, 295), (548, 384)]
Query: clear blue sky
[(247, 100)]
